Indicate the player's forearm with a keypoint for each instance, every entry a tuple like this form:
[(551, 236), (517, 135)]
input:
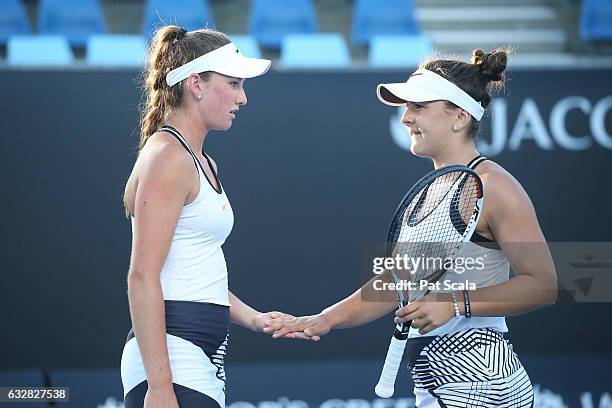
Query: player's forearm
[(356, 311), (149, 323), (518, 295), (241, 313)]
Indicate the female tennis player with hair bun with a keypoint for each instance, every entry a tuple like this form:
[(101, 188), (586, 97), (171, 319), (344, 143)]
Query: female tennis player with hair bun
[(177, 284), (456, 345)]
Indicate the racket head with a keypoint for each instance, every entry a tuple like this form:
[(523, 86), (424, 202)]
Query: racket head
[(435, 216), (432, 220)]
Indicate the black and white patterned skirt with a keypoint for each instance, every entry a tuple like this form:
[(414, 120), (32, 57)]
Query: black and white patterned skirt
[(196, 336), (470, 368)]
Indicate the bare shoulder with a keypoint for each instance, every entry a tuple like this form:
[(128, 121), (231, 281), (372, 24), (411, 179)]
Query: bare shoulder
[(163, 155), (499, 185), (161, 165), (508, 213)]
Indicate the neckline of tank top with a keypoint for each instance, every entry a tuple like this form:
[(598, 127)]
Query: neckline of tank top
[(183, 142)]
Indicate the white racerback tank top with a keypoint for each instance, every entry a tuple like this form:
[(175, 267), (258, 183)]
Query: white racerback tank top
[(195, 268), (496, 270)]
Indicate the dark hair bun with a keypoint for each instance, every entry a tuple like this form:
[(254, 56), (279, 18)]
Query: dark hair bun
[(491, 64)]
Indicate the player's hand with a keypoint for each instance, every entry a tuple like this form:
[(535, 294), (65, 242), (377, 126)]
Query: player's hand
[(266, 322), (161, 397), (427, 313), (312, 326)]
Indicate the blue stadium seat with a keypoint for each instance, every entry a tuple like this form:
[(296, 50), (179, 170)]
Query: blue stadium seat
[(398, 50), (13, 20), (271, 20), (382, 17), (189, 14), (116, 50), (315, 51), (39, 50), (247, 45), (596, 20), (75, 19)]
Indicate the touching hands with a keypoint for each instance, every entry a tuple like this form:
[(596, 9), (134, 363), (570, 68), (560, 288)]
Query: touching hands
[(293, 327), (427, 313), (271, 322)]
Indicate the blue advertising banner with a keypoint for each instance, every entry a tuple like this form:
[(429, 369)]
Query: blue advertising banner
[(314, 166)]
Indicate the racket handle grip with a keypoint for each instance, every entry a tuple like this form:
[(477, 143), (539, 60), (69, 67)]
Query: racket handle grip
[(386, 383)]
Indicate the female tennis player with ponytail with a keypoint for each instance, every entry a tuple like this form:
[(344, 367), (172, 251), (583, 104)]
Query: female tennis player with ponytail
[(455, 343), (177, 284)]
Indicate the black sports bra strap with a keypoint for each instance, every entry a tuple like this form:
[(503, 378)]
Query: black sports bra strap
[(182, 141), (476, 161), (212, 168), (177, 135)]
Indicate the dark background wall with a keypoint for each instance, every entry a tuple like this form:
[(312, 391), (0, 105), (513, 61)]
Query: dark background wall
[(313, 175)]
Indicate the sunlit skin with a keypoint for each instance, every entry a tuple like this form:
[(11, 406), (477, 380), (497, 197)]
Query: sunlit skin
[(437, 131), (221, 99)]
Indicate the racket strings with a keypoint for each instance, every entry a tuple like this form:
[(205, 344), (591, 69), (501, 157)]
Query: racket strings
[(463, 203), (433, 225)]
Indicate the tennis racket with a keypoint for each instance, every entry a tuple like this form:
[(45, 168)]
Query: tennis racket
[(436, 215)]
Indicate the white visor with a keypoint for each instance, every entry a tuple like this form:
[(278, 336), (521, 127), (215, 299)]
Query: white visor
[(225, 60), (425, 86)]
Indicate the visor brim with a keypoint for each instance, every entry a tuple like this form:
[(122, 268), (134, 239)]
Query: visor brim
[(244, 67)]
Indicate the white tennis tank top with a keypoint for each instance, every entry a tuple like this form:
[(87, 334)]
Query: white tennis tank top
[(496, 269), (195, 268)]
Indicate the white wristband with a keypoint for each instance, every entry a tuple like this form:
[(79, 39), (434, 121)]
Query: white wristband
[(455, 306)]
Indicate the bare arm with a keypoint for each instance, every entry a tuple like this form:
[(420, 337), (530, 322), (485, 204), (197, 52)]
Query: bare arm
[(242, 314), (249, 318), (515, 226), (363, 306), (161, 193)]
